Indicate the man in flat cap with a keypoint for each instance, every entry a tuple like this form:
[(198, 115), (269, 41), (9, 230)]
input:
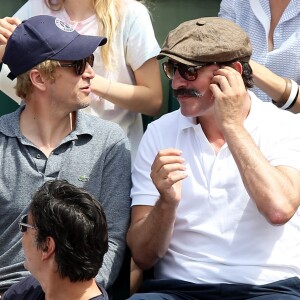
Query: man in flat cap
[(49, 137), (216, 184)]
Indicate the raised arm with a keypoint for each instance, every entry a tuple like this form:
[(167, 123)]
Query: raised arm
[(275, 190), (152, 226), (144, 97), (272, 84), (140, 51)]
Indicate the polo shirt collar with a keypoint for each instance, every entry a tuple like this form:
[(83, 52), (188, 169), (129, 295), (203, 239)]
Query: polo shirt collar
[(185, 122), (10, 124)]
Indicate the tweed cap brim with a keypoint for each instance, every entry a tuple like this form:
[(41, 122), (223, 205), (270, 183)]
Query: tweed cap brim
[(209, 39)]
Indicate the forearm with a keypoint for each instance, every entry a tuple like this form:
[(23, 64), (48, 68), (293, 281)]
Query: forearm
[(272, 84), (275, 195), (144, 97), (267, 81), (131, 97), (149, 237)]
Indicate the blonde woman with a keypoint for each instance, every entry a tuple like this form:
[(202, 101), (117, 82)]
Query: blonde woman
[(128, 81)]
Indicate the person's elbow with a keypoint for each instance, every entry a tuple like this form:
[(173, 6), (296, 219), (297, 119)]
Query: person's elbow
[(155, 103), (144, 260), (143, 257), (279, 215)]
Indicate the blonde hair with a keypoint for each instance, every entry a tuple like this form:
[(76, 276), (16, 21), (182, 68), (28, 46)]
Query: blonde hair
[(24, 86), (109, 14)]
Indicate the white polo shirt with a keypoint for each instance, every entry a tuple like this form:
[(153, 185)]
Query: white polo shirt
[(219, 234)]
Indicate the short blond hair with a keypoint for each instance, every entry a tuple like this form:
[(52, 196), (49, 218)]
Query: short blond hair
[(24, 86)]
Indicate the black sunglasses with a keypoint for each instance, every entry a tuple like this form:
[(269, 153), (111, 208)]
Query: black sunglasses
[(23, 225), (189, 73), (80, 65)]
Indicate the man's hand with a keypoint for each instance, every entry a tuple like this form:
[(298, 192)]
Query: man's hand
[(167, 172), (229, 92)]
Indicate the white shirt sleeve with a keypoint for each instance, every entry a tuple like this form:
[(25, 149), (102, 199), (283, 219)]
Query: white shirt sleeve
[(141, 44)]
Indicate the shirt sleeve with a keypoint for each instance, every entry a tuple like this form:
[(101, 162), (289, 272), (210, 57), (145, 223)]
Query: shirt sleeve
[(141, 43), (115, 199)]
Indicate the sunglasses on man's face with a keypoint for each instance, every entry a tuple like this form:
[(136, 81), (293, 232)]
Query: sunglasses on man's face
[(23, 225), (80, 65), (189, 73)]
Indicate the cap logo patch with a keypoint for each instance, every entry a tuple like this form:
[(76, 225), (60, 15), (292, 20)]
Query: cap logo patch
[(63, 25)]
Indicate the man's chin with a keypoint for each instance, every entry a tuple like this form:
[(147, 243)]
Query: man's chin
[(187, 113), (84, 105)]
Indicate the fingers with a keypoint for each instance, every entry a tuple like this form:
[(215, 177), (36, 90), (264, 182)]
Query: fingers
[(227, 79), (227, 84), (168, 168), (167, 161), (7, 27), (229, 93)]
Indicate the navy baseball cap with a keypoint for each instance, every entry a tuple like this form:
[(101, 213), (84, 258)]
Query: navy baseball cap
[(44, 37)]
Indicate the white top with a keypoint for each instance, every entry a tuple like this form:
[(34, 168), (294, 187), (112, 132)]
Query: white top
[(135, 44), (219, 235), (254, 17)]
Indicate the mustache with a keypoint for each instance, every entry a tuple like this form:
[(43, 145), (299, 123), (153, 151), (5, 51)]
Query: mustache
[(187, 92)]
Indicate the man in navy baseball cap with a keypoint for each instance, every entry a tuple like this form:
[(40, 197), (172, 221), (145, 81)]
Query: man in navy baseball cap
[(44, 37), (50, 137)]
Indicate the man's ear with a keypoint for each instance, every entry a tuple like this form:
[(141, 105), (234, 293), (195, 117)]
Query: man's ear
[(48, 248), (237, 66), (37, 79)]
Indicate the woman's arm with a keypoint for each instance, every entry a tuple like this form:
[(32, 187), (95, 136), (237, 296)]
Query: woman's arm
[(144, 97), (271, 84)]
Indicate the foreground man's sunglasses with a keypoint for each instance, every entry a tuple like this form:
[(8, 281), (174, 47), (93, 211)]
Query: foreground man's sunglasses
[(79, 65)]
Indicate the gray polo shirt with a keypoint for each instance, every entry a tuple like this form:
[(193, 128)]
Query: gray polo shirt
[(94, 156)]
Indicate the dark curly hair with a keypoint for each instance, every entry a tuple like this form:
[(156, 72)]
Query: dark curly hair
[(77, 224), (247, 74)]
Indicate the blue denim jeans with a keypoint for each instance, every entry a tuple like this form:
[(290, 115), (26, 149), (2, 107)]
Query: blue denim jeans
[(288, 289)]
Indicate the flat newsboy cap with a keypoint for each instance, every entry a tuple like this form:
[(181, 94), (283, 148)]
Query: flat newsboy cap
[(44, 37), (209, 39)]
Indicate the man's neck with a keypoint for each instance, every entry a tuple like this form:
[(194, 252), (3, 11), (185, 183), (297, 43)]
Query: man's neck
[(212, 132), (45, 129)]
